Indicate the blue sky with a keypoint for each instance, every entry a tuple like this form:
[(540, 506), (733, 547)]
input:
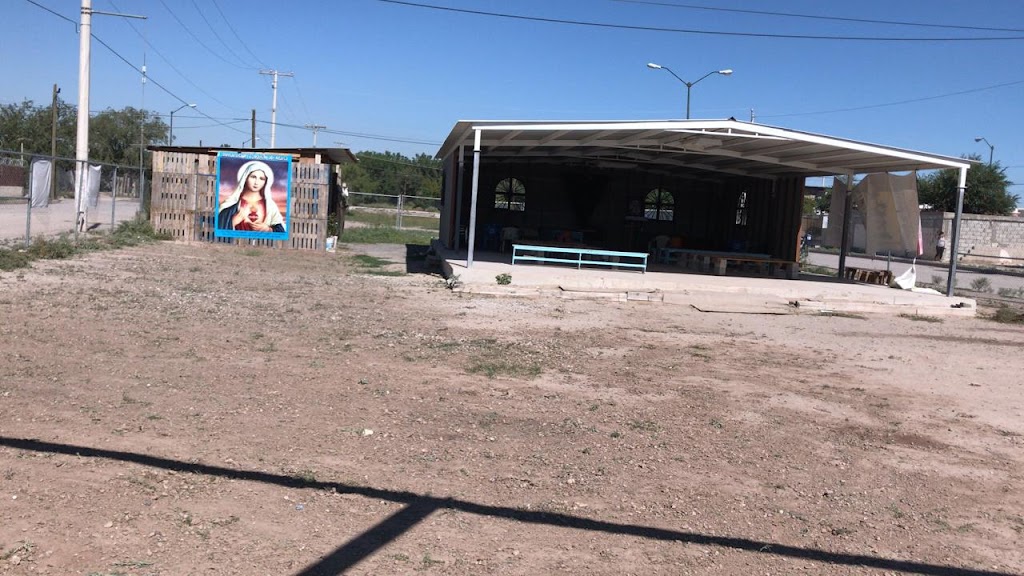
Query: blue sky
[(387, 76)]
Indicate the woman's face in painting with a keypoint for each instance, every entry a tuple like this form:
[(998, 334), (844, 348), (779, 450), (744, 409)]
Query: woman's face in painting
[(256, 181)]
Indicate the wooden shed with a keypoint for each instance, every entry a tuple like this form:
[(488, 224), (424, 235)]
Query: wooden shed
[(183, 202)]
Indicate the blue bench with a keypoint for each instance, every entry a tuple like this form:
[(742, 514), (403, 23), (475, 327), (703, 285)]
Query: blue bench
[(579, 256)]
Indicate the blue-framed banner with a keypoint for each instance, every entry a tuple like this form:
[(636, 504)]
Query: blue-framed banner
[(254, 193)]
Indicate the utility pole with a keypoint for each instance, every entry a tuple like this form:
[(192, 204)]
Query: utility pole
[(82, 136), (315, 128), (253, 124), (273, 106), (53, 145), (142, 143), (751, 115)]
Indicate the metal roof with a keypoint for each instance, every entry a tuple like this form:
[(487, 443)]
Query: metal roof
[(719, 146)]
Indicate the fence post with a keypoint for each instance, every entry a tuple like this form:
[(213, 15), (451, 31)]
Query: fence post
[(28, 209), (113, 200), (195, 199), (401, 198)]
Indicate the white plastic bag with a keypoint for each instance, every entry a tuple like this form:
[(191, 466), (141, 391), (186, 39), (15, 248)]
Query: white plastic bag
[(908, 279)]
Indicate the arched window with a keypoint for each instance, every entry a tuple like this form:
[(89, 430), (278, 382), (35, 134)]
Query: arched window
[(510, 194), (659, 205)]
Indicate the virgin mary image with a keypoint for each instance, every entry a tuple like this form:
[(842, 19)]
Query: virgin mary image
[(251, 207)]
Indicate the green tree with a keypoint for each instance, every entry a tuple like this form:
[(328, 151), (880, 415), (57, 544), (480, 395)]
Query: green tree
[(392, 173), (114, 135), (986, 189), (29, 126)]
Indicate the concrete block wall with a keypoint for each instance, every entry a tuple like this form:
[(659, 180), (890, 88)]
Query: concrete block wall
[(990, 239)]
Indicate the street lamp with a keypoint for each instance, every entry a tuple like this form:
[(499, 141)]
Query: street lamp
[(254, 141), (689, 85), (170, 133), (991, 148)]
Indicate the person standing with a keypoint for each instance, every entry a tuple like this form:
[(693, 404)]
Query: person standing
[(940, 246)]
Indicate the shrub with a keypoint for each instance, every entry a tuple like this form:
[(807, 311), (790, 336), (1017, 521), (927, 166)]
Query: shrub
[(1012, 292), (128, 233), (504, 279), (981, 285), (1008, 316)]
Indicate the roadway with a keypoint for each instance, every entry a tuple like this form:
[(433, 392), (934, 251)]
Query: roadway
[(59, 216), (926, 271)]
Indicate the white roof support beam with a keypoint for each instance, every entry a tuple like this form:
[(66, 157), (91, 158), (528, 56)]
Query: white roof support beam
[(506, 139), (760, 158), (471, 233), (547, 139)]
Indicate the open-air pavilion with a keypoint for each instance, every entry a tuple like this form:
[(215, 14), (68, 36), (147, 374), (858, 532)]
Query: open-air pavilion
[(715, 185)]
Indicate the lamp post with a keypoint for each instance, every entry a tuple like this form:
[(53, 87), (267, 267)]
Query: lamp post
[(689, 85), (253, 140), (170, 132), (991, 148)]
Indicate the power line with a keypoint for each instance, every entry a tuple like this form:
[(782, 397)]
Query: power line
[(413, 141), (815, 17), (900, 102), (237, 37), (286, 108), (196, 38), (155, 83), (359, 134), (54, 13), (125, 60), (224, 124), (694, 31), (227, 121), (301, 99), (171, 64), (216, 34)]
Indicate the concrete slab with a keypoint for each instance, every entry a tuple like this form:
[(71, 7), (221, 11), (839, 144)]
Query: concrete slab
[(668, 284)]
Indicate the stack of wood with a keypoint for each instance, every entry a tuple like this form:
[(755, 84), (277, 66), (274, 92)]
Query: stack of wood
[(881, 277)]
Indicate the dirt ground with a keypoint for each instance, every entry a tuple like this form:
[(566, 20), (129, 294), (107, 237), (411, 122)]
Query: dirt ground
[(200, 409)]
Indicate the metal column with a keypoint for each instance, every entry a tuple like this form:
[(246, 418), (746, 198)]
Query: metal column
[(961, 189), (471, 233)]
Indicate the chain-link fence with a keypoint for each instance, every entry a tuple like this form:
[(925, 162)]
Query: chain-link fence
[(37, 196), (400, 211)]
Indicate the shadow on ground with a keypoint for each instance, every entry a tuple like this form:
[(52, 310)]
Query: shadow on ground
[(418, 507), (416, 261)]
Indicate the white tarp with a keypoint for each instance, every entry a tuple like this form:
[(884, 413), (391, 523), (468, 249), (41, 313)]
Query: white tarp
[(41, 177), (92, 185), (892, 220), (908, 279)]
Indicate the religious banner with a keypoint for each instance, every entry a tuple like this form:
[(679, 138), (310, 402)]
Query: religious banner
[(253, 195)]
